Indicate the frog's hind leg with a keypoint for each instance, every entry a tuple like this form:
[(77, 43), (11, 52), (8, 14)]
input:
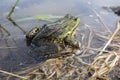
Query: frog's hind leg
[(44, 51), (59, 55)]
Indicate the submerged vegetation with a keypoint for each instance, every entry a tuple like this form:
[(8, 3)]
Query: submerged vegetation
[(89, 64), (9, 17)]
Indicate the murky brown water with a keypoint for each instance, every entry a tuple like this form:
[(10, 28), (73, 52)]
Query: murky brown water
[(17, 57)]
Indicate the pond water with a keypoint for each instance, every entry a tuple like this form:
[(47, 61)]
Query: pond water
[(16, 58)]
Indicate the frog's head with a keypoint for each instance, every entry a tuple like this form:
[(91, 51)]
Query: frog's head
[(31, 34), (71, 23)]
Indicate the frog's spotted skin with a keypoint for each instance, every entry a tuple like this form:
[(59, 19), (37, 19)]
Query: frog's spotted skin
[(53, 37)]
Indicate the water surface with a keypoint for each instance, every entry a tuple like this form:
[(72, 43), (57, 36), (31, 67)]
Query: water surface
[(17, 58)]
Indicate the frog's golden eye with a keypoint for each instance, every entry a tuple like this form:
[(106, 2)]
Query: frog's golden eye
[(32, 33), (35, 30)]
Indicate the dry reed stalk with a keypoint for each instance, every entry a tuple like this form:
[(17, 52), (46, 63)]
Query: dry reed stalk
[(5, 30), (11, 19), (106, 65), (105, 62), (101, 20), (112, 37), (15, 75)]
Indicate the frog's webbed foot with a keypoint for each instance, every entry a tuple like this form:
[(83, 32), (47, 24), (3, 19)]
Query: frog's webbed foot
[(62, 53)]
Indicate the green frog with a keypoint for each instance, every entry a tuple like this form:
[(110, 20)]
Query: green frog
[(54, 38)]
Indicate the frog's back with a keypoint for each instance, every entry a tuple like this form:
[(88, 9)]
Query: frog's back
[(53, 29)]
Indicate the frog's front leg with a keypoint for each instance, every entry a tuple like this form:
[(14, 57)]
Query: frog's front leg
[(71, 42)]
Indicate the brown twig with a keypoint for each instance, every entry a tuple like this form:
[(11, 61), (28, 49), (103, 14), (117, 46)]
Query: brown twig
[(111, 38), (8, 47), (101, 20), (30, 69), (90, 38), (1, 32), (15, 24), (12, 9), (97, 49), (15, 75), (5, 30), (102, 36)]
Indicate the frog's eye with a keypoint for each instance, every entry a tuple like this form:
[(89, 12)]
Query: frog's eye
[(32, 33), (76, 19), (36, 30)]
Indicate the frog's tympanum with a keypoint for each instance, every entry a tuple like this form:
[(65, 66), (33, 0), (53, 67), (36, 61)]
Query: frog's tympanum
[(54, 38)]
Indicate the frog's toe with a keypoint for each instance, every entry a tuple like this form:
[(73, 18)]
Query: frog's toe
[(76, 45)]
